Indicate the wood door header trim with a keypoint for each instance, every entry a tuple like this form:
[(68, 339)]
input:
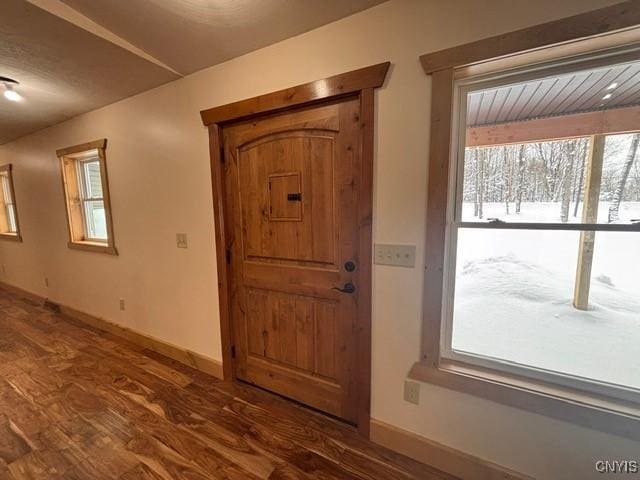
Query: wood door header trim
[(596, 22), (338, 85)]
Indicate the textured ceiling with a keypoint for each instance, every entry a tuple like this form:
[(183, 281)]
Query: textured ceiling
[(76, 56), (63, 70), (189, 35)]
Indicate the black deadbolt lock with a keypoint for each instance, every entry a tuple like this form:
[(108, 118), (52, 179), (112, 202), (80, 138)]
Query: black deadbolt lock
[(349, 266), (294, 197)]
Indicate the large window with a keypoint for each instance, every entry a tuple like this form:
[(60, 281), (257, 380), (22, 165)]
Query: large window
[(87, 197), (9, 228), (543, 226)]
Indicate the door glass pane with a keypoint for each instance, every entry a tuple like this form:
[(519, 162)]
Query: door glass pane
[(516, 300), (95, 218)]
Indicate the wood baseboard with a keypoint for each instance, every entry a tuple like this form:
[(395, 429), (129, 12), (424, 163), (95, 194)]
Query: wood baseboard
[(194, 360), (19, 292), (447, 459)]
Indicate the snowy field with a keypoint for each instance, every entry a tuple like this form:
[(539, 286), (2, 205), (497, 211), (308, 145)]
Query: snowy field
[(514, 292), (549, 212)]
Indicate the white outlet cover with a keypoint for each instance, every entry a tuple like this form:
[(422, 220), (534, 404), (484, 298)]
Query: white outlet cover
[(412, 392)]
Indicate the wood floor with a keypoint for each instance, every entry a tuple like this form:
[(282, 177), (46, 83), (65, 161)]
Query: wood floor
[(76, 403)]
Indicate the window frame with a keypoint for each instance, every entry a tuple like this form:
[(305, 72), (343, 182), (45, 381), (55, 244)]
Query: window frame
[(9, 205), (462, 88), (6, 172), (74, 190), (85, 198), (572, 37)]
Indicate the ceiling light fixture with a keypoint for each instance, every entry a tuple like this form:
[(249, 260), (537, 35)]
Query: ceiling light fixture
[(607, 96), (612, 86), (9, 92)]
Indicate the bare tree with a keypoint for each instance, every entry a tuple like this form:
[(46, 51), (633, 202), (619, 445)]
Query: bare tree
[(480, 157), (580, 172), (614, 208), (506, 178), (520, 187), (476, 207), (567, 177)]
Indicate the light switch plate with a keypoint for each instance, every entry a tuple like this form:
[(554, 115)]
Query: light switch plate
[(181, 240), (396, 255)]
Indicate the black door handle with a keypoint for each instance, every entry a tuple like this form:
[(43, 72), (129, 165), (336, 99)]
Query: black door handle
[(294, 197), (348, 288)]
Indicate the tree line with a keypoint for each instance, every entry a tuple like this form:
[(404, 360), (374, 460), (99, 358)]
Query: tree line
[(552, 171)]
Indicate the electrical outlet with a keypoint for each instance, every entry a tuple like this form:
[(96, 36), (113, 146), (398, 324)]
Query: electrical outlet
[(122, 304), (396, 255), (46, 282), (181, 240), (412, 392)]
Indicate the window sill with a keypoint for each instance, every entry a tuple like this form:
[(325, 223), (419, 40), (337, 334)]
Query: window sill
[(93, 247), (565, 404), (14, 237)]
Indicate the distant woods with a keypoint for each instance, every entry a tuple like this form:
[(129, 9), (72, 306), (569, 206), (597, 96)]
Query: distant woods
[(620, 190), (551, 172)]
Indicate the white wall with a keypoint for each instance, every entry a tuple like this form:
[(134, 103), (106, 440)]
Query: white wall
[(160, 185)]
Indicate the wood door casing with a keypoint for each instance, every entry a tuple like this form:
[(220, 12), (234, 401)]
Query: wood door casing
[(293, 333)]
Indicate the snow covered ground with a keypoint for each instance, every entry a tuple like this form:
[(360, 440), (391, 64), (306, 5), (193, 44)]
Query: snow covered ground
[(547, 212), (514, 292)]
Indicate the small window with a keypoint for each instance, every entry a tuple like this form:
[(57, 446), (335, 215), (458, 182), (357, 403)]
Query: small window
[(95, 220), (544, 227), (9, 228), (84, 175)]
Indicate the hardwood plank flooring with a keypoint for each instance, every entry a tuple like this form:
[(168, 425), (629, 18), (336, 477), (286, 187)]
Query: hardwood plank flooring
[(77, 403)]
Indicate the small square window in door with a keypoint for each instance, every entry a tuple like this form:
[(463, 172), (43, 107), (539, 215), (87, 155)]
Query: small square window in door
[(285, 197)]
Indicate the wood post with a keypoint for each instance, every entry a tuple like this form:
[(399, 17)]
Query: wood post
[(589, 215)]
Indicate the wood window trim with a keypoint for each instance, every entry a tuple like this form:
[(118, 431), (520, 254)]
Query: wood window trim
[(12, 237), (592, 31), (75, 224), (562, 32), (87, 246), (560, 403), (361, 82), (17, 236)]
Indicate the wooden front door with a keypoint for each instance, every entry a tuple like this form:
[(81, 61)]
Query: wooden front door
[(291, 183)]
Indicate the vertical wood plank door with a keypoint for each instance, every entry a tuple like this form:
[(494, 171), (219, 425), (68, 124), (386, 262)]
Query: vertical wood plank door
[(291, 206)]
